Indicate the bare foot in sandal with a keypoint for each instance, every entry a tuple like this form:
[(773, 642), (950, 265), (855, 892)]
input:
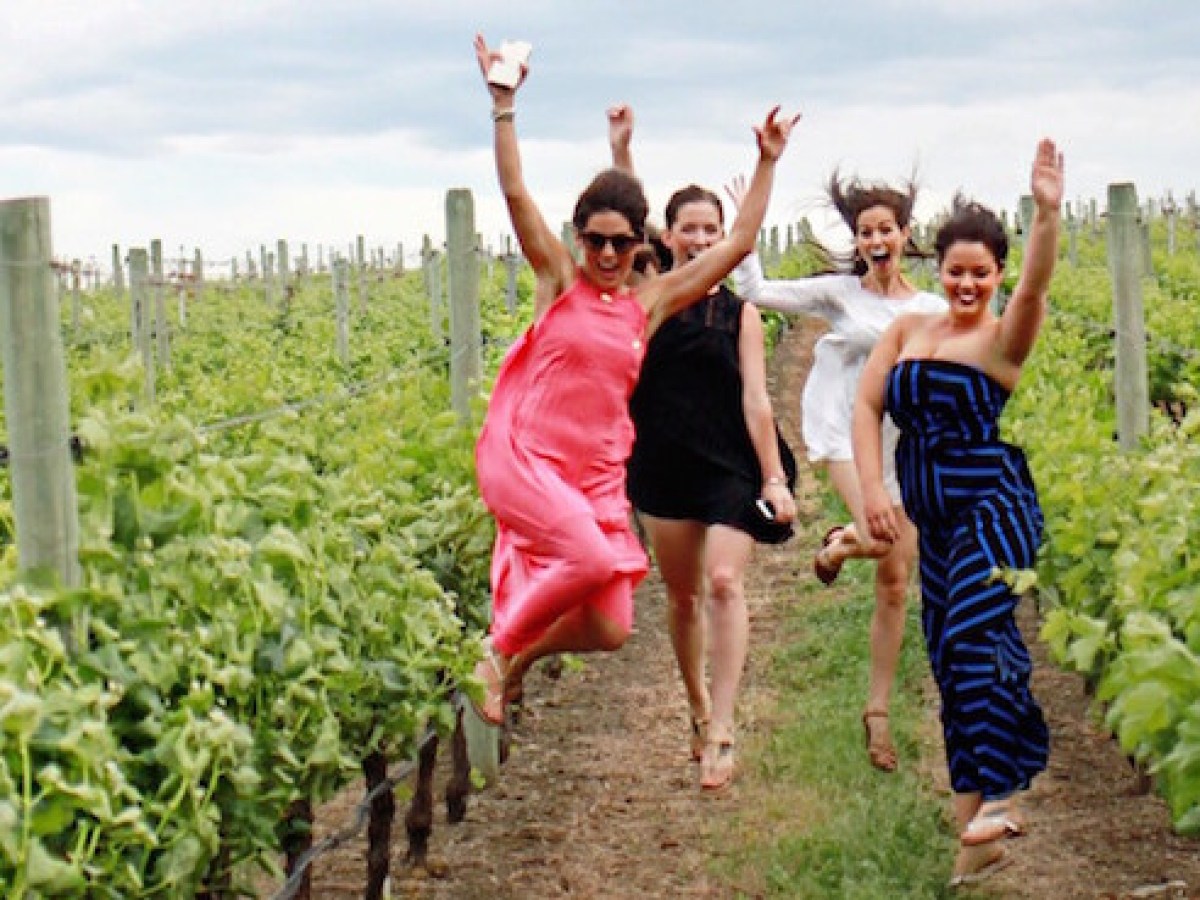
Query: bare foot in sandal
[(718, 763), (879, 740), (974, 864), (492, 670)]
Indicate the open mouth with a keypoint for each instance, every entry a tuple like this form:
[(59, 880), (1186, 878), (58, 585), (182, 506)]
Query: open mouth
[(880, 256)]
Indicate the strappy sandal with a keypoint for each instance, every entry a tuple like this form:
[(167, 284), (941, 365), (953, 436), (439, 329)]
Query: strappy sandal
[(882, 753), (995, 824), (699, 738), (490, 671), (717, 765), (828, 572)]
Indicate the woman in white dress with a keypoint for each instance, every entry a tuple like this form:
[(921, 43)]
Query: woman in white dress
[(858, 306)]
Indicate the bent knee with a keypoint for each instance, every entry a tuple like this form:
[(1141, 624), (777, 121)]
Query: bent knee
[(610, 635), (725, 583)]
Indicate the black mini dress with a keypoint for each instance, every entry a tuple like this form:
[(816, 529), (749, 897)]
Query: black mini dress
[(692, 456)]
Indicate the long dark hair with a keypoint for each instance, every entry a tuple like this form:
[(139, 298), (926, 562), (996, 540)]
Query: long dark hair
[(851, 197)]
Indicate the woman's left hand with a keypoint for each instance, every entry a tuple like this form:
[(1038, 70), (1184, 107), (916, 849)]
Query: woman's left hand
[(781, 501), (1046, 181), (773, 134)]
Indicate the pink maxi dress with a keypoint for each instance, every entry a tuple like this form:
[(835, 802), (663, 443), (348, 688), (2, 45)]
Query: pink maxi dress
[(550, 460)]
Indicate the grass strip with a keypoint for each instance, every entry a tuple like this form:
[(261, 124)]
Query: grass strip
[(815, 820)]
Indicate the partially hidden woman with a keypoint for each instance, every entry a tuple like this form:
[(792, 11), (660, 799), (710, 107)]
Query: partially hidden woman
[(551, 455), (858, 305), (709, 474), (945, 379)]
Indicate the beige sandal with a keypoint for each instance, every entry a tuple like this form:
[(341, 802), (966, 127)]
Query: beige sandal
[(990, 825), (490, 671), (717, 765), (699, 738)]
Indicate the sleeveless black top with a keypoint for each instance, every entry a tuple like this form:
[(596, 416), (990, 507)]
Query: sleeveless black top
[(692, 455)]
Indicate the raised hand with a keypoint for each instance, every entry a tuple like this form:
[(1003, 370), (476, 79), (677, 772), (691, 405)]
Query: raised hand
[(1046, 181), (773, 134), (736, 189), (485, 57), (620, 126)]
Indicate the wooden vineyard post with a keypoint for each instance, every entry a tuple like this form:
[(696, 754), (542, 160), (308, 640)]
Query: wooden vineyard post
[(284, 267), (433, 288), (162, 331), (1025, 217), (36, 406), (511, 263), (341, 295), (359, 251), (463, 266), (198, 274), (181, 300), (1125, 269), (139, 277), (1147, 257), (264, 264), (1072, 238), (157, 314), (118, 272), (76, 279), (1171, 212)]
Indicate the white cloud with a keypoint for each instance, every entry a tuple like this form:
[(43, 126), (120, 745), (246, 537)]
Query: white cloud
[(228, 124)]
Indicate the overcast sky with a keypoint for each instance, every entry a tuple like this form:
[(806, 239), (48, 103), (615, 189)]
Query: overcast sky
[(226, 124)]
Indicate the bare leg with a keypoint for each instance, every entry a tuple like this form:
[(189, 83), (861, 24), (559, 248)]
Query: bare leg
[(887, 634), (727, 553), (726, 557), (892, 573), (582, 630), (679, 553)]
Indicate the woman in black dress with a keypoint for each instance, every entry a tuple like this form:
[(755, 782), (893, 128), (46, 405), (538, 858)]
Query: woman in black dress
[(709, 474)]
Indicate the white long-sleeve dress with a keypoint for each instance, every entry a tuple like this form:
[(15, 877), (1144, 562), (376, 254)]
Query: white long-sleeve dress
[(857, 317)]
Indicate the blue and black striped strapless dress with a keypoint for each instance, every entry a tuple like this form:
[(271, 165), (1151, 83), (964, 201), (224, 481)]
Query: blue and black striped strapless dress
[(974, 503)]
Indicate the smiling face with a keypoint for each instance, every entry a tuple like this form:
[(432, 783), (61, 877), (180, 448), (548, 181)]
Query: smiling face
[(970, 276), (603, 262), (696, 227), (880, 240)]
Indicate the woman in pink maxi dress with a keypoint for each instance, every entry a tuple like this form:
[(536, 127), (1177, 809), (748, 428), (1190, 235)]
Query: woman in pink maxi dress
[(551, 454)]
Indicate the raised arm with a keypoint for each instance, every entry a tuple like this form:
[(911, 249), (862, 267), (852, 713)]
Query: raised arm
[(680, 287), (550, 260), (867, 437), (813, 296), (1025, 312), (620, 136)]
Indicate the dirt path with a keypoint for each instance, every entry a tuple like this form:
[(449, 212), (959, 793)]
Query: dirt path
[(599, 798)]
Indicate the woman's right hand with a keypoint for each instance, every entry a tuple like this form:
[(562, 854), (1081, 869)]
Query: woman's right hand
[(736, 189), (501, 96), (880, 514)]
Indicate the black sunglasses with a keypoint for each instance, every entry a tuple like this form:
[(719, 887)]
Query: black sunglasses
[(621, 243)]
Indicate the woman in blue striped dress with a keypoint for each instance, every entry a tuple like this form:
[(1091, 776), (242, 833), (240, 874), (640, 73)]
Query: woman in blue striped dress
[(944, 378)]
